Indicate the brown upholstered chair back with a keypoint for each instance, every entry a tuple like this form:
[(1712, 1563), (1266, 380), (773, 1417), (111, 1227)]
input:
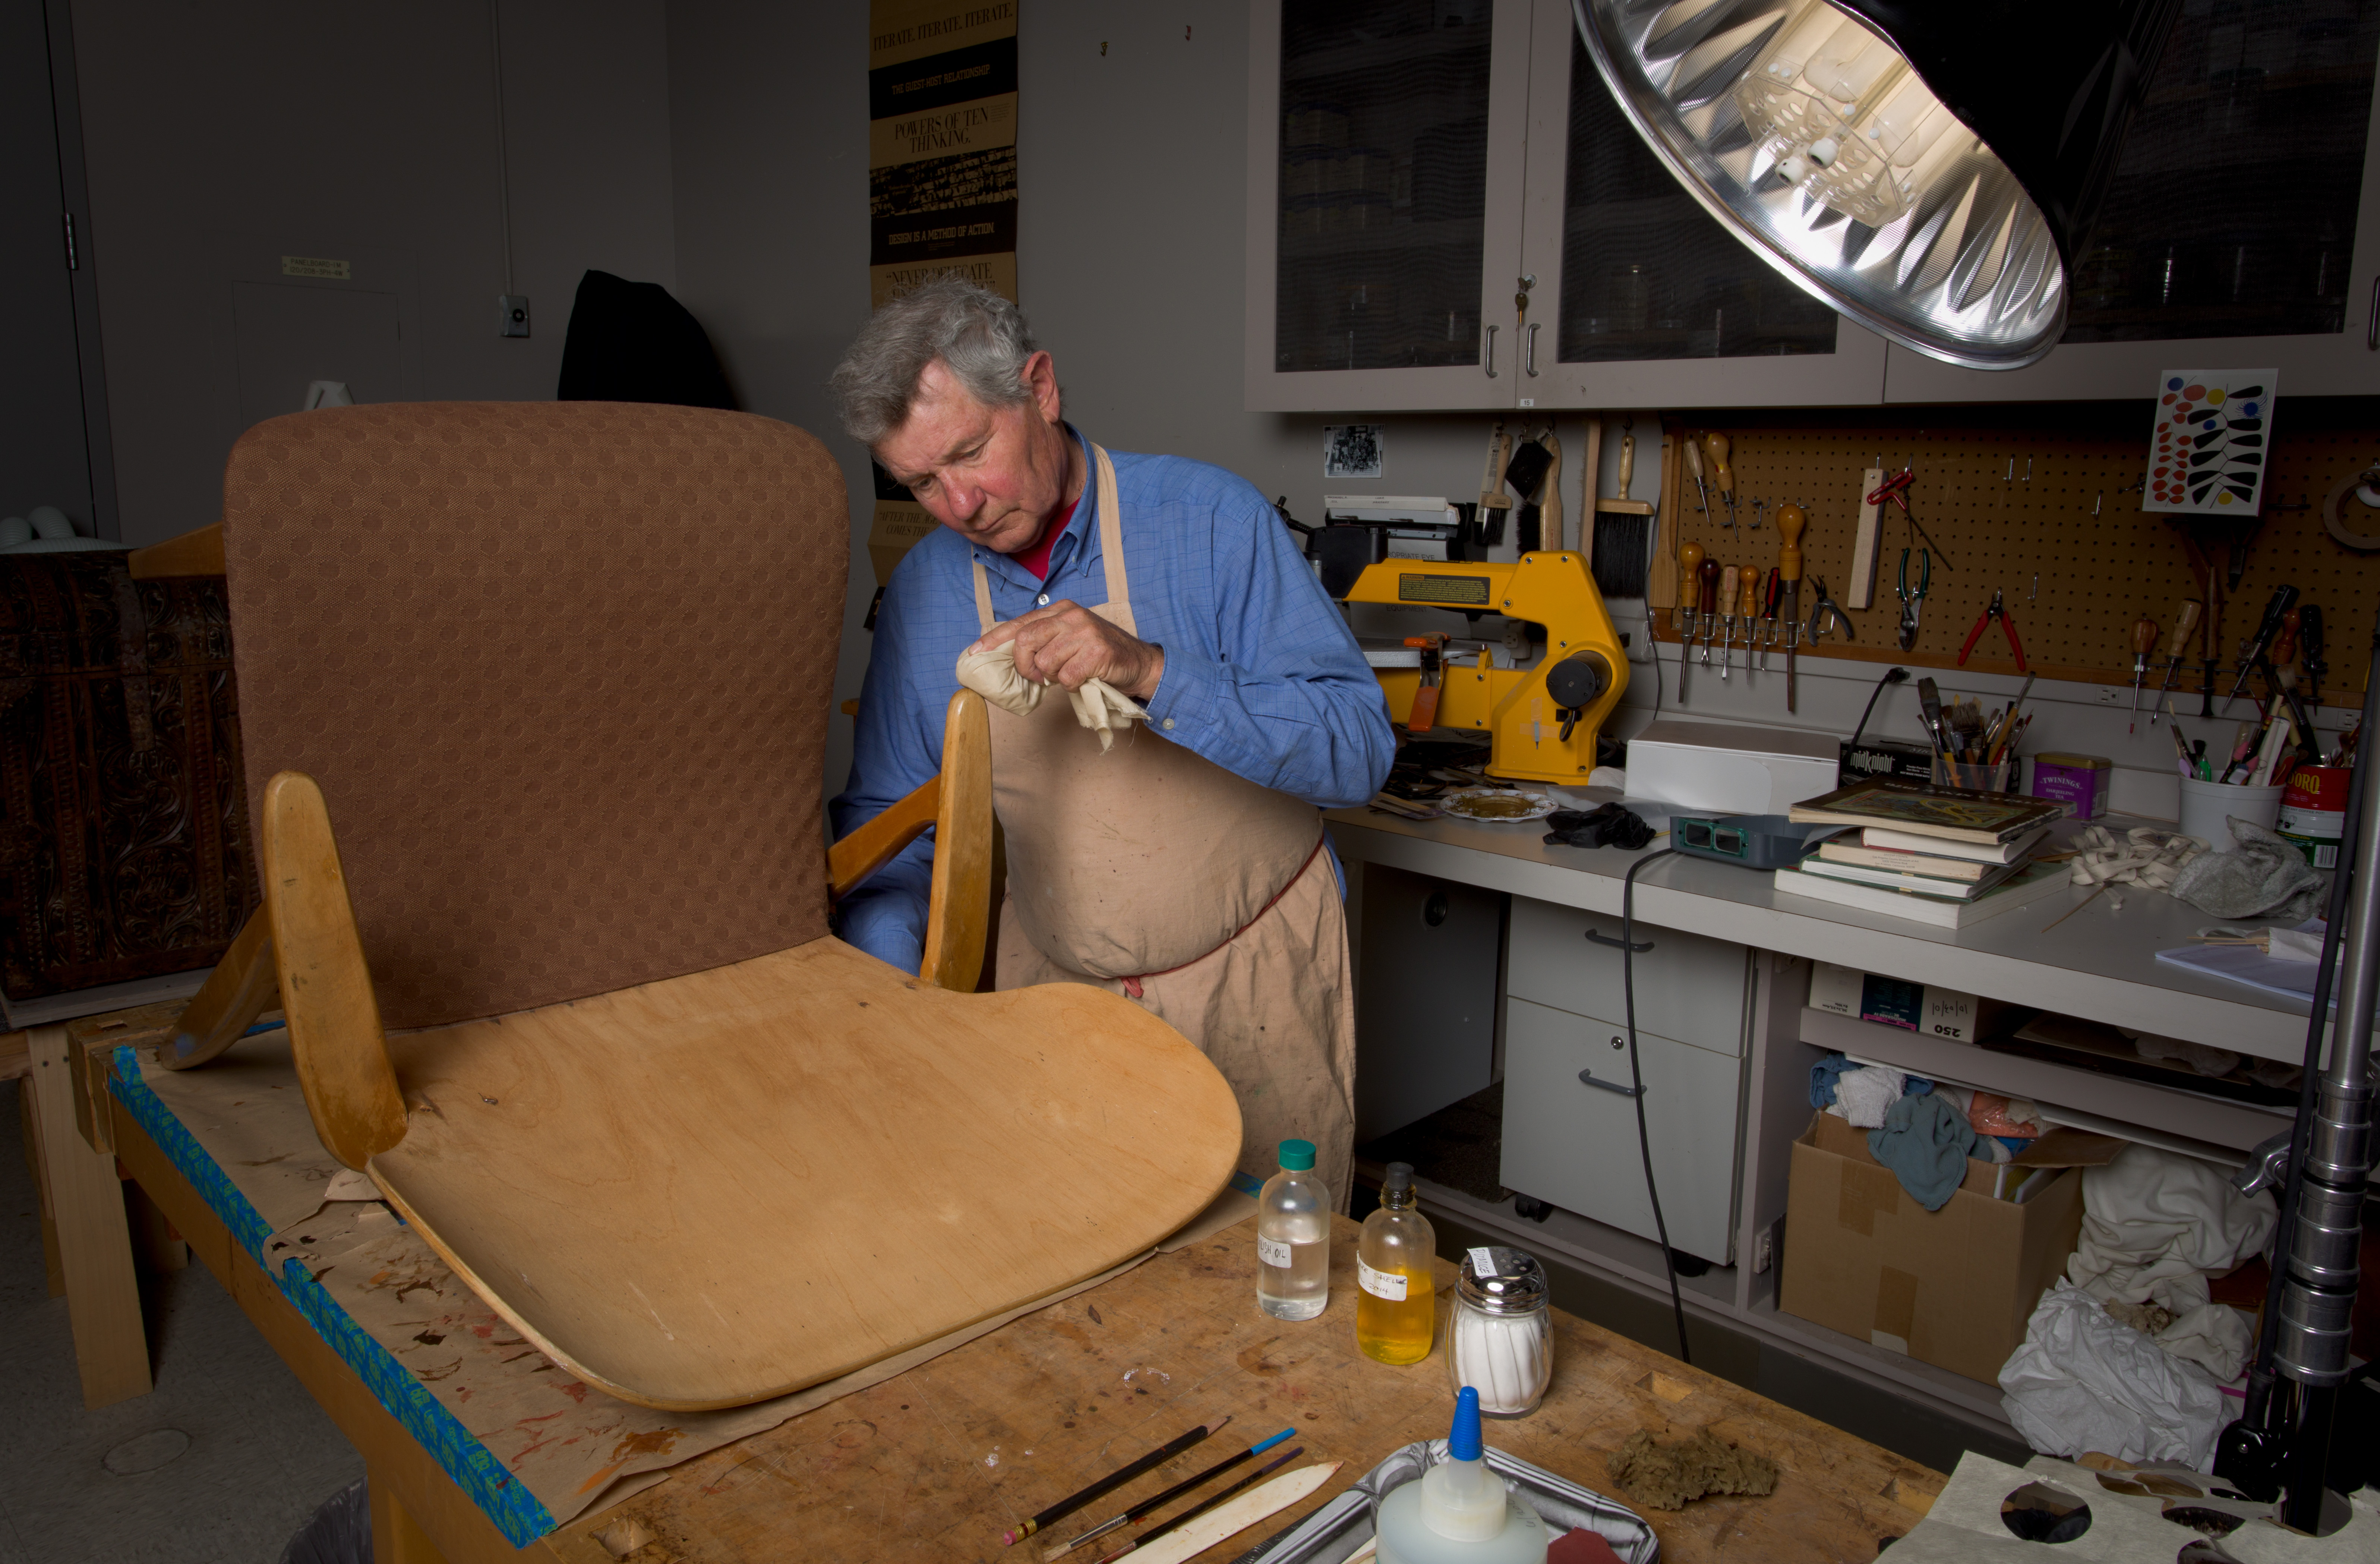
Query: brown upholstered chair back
[(563, 670)]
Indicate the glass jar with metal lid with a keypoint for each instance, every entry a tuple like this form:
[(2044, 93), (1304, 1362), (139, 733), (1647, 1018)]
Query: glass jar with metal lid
[(1501, 1338)]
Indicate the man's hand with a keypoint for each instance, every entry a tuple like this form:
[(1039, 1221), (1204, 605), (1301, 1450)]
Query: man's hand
[(1066, 644)]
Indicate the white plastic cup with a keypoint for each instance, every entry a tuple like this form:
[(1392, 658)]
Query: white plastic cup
[(2206, 806)]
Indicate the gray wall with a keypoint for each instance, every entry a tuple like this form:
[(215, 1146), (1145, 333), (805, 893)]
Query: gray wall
[(222, 137)]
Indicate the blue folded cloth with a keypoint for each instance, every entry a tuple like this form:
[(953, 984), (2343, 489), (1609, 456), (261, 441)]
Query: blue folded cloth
[(1927, 1142)]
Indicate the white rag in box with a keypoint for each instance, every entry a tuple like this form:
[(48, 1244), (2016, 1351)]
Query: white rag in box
[(1727, 769)]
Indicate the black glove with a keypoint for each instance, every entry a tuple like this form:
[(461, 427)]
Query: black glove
[(1606, 826)]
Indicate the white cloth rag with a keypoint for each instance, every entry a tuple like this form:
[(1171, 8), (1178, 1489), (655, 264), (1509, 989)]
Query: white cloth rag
[(1098, 705), (1867, 1094), (2155, 1225), (2153, 858), (2083, 1382)]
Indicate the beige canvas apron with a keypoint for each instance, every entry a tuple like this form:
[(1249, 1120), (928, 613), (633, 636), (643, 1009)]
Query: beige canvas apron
[(1151, 871)]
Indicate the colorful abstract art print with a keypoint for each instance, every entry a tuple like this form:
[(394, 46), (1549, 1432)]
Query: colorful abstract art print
[(2208, 445)]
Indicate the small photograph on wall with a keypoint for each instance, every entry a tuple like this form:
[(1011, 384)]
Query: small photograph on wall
[(2207, 443), (1352, 450)]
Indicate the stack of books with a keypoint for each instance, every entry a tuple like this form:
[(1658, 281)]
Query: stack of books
[(1933, 855)]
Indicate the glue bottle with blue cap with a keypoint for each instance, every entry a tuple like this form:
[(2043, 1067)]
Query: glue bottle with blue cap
[(1458, 1512)]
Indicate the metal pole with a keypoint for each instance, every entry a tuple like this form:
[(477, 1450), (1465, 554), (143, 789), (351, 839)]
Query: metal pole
[(2317, 1295)]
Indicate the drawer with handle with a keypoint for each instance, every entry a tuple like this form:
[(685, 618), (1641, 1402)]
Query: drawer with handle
[(1687, 987)]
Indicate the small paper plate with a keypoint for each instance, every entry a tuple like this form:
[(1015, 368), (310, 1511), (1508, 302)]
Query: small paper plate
[(1495, 805)]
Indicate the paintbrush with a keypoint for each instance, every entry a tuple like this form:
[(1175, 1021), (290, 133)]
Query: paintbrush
[(1150, 1536), (1111, 1482), (1149, 1506)]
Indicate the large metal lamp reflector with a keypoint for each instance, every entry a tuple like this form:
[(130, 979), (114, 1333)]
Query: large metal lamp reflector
[(1926, 170)]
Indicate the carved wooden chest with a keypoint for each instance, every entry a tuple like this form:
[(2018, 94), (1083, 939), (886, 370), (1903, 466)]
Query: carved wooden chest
[(125, 850)]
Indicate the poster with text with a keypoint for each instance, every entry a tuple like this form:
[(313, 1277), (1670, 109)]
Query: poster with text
[(2208, 443), (941, 144)]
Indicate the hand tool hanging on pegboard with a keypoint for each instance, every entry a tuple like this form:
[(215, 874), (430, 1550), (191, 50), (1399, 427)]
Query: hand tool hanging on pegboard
[(1791, 520)]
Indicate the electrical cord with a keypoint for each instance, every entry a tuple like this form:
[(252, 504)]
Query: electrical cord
[(1891, 676), (1636, 1079)]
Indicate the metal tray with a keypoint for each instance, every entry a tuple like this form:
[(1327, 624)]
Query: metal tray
[(1338, 1528)]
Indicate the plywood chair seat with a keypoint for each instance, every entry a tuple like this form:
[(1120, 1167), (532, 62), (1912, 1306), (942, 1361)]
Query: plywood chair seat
[(716, 1188), (563, 981)]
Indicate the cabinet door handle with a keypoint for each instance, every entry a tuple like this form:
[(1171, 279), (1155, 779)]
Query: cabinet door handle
[(1598, 937), (2372, 327), (1491, 353), (1588, 1078), (1530, 348)]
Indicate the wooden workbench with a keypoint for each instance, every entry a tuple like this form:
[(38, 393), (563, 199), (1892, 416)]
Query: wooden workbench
[(935, 1463)]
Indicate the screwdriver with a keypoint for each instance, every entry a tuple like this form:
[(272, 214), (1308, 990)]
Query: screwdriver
[(1723, 475), (1790, 519), (1775, 590), (1728, 577), (2144, 634), (2285, 652), (1710, 603), (1748, 607), (1690, 589), (1694, 465), (2184, 624)]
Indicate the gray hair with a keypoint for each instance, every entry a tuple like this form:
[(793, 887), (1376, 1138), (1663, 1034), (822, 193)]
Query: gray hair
[(979, 336)]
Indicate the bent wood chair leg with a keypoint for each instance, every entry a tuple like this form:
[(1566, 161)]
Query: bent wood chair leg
[(241, 988), (959, 911), (334, 1031)]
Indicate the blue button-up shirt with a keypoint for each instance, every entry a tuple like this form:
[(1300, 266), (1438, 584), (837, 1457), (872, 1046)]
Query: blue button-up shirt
[(1261, 675)]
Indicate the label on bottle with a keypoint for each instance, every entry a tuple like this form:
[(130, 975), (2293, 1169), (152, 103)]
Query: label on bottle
[(1272, 1252), (1390, 1285), (1482, 1265)]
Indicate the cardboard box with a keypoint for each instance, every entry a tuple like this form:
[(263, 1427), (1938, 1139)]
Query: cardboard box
[(1953, 1287), (1724, 768), (1913, 1006)]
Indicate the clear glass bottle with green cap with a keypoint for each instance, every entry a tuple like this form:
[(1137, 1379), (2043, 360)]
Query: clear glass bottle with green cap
[(1293, 1238)]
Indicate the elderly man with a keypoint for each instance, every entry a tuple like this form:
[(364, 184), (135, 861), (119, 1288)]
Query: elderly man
[(1185, 865)]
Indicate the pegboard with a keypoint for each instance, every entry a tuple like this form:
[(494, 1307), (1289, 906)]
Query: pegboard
[(2051, 517)]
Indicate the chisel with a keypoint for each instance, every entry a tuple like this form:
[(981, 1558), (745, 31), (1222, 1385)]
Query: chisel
[(1790, 519), (1693, 450), (1722, 474), (2184, 624), (1768, 596), (1690, 588), (1710, 604), (1748, 606), (1728, 577)]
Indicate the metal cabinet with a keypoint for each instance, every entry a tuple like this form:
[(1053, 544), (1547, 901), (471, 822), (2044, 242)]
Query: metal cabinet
[(1641, 299), (1570, 1126), (1385, 158), (1425, 1010), (1446, 210), (2242, 228), (1687, 987)]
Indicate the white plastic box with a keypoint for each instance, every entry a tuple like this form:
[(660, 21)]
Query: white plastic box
[(1723, 768)]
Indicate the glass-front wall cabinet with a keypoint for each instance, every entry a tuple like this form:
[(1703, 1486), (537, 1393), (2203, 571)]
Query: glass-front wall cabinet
[(1385, 170), (2240, 226)]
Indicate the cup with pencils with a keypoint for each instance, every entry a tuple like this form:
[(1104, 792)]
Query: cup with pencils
[(1973, 750), (2245, 781)]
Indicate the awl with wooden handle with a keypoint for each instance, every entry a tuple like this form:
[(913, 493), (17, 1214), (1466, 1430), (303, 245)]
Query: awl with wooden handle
[(1729, 576), (1690, 590), (1710, 604), (1747, 604), (1724, 475), (2185, 622), (1694, 453), (1791, 520), (2144, 635)]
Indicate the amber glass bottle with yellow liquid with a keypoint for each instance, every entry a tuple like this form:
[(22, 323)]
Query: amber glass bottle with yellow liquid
[(1396, 1304)]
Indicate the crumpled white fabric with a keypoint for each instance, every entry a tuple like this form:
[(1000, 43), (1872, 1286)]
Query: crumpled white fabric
[(2144, 856), (2083, 1382), (2156, 1224), (1098, 705), (1866, 1095)]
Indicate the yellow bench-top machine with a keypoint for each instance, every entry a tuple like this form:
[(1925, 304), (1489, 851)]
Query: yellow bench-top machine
[(1542, 719)]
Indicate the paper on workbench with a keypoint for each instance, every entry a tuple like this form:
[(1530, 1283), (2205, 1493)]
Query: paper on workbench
[(573, 1446), (2245, 963)]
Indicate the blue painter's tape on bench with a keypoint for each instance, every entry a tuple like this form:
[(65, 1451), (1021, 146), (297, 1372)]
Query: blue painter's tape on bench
[(508, 1503)]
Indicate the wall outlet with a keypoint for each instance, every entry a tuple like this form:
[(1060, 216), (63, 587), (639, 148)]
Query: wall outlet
[(1764, 1247), (511, 313)]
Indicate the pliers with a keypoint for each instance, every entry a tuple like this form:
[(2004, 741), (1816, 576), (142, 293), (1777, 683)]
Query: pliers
[(1910, 601), (1824, 610), (1993, 611)]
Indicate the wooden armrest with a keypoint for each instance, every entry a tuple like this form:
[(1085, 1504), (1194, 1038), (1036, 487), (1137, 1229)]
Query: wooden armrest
[(199, 552), (879, 841), (242, 987)]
